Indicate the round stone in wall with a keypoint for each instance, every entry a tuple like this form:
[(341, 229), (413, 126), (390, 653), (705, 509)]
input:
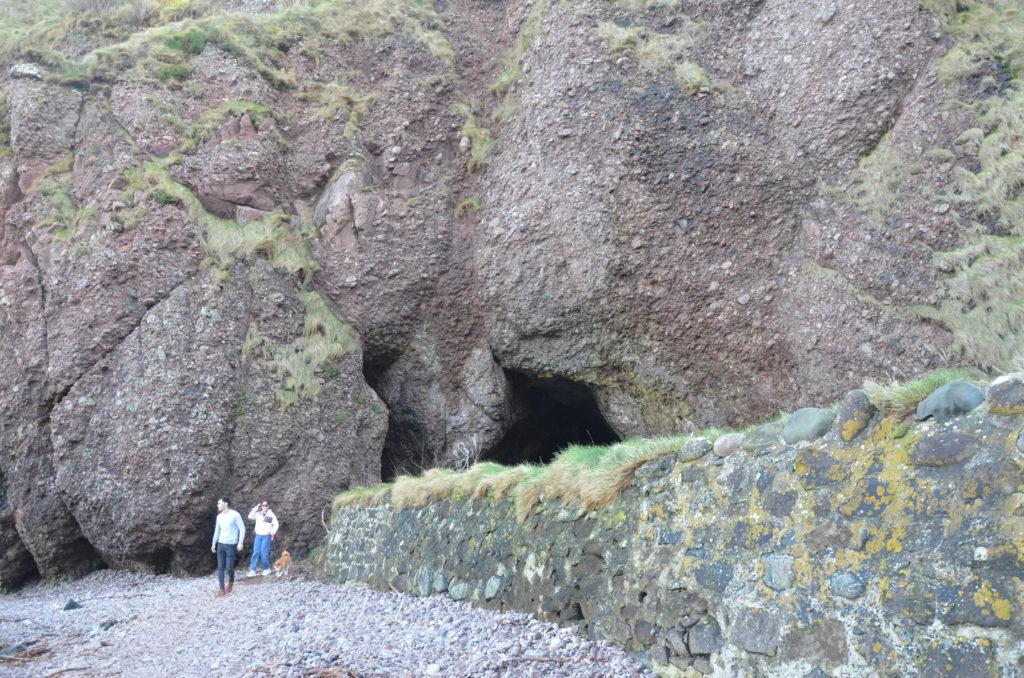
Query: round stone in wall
[(1006, 394), (809, 423), (950, 400), (846, 584)]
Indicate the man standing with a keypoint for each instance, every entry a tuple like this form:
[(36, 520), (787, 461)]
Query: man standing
[(265, 529), (228, 536)]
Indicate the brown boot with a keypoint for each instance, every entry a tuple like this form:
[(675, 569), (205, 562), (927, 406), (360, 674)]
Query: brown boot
[(231, 585), (219, 594)]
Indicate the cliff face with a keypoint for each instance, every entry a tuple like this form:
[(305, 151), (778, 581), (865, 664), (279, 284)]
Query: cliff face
[(274, 249)]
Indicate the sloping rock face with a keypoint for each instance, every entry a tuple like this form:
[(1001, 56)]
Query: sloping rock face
[(892, 550), (647, 216)]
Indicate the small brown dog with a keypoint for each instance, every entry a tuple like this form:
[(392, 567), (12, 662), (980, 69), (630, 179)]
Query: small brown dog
[(282, 564)]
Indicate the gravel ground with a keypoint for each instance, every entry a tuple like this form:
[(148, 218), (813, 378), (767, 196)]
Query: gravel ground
[(143, 625)]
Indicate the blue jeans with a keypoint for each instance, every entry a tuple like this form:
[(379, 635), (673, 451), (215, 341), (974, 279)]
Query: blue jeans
[(260, 552), (226, 562)]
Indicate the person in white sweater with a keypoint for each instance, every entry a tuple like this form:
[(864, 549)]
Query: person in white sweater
[(265, 530), (228, 536)]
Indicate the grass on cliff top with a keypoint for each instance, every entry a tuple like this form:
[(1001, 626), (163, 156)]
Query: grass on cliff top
[(896, 399), (153, 40), (590, 475), (988, 32)]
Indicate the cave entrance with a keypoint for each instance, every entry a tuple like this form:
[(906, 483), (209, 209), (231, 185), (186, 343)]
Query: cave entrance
[(402, 454), (554, 413)]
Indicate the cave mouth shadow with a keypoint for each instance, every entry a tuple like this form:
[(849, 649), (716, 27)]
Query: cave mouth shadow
[(554, 413), (551, 413)]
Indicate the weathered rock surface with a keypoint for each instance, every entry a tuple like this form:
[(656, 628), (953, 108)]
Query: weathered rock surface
[(176, 410), (877, 565), (601, 240)]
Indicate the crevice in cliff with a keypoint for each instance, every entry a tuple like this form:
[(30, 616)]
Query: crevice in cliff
[(406, 449), (556, 413)]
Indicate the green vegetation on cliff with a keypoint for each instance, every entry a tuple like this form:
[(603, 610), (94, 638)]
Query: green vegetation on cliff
[(155, 39), (985, 301)]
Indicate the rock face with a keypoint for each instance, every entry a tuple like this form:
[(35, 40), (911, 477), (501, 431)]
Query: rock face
[(824, 558), (544, 223)]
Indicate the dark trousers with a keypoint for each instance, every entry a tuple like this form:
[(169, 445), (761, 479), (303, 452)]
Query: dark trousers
[(226, 561)]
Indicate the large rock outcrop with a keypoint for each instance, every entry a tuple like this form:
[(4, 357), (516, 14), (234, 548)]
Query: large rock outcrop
[(633, 218)]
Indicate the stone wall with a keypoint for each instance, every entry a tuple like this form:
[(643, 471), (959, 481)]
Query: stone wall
[(882, 548)]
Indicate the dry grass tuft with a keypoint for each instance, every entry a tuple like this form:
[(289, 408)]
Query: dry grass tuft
[(896, 399), (659, 53), (481, 142), (512, 61), (590, 475), (362, 496), (224, 239), (325, 337), (984, 288), (873, 187)]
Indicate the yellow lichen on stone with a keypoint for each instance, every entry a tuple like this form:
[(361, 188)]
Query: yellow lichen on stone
[(851, 428), (1007, 410), (987, 597)]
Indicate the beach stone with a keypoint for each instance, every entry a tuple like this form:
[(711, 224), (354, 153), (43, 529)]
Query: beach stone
[(756, 630), (459, 591), (1006, 394), (72, 604), (823, 641), (676, 638), (493, 586), (854, 414), (809, 423), (944, 449), (950, 400), (778, 571), (705, 637), (727, 444), (763, 437), (846, 584), (695, 448)]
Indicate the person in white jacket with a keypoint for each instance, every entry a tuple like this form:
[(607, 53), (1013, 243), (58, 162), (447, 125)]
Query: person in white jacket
[(265, 530)]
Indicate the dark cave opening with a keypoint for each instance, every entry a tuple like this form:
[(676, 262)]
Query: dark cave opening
[(554, 413), (405, 451), (550, 414)]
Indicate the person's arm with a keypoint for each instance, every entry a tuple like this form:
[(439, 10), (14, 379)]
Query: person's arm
[(275, 524), (254, 513), (241, 530), (216, 533)]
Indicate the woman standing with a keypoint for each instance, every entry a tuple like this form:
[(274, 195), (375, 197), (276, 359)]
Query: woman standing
[(265, 529)]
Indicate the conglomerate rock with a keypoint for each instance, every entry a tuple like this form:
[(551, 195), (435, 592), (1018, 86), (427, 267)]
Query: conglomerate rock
[(643, 217)]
